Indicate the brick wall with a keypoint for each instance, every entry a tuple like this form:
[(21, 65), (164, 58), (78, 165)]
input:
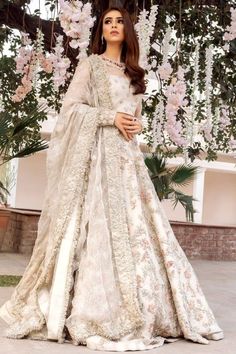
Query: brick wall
[(206, 241), (21, 231), (197, 241)]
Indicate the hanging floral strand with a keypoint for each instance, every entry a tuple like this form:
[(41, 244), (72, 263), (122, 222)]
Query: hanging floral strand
[(145, 28), (191, 122), (207, 126), (30, 60), (157, 124), (60, 64), (24, 65), (76, 21), (165, 69), (1, 101), (230, 32), (175, 95)]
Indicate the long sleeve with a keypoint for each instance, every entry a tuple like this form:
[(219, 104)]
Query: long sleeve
[(79, 96), (138, 113)]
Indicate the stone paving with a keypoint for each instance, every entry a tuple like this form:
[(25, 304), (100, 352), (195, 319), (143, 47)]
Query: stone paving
[(217, 279)]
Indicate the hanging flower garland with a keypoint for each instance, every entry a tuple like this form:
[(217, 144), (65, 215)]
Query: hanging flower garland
[(43, 61), (76, 21), (165, 121), (24, 65), (207, 126), (224, 117), (174, 120), (157, 123), (230, 32), (175, 94), (60, 64), (165, 70), (192, 125), (145, 29), (1, 102), (30, 60)]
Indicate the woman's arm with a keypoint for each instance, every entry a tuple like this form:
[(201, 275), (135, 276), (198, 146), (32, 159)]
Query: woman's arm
[(138, 114), (79, 96)]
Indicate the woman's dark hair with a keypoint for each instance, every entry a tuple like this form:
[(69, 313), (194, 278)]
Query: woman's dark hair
[(130, 50)]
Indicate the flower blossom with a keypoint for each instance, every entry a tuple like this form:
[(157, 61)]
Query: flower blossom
[(175, 95), (165, 70), (76, 21), (230, 33)]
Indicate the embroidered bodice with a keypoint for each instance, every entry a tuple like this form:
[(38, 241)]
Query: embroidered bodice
[(122, 94), (121, 91)]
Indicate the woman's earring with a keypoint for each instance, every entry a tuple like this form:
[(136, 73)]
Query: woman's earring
[(102, 38)]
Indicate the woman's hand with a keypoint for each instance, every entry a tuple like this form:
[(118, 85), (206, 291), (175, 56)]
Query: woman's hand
[(133, 128), (127, 125)]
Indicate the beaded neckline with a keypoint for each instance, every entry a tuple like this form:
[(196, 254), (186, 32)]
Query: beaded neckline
[(120, 66)]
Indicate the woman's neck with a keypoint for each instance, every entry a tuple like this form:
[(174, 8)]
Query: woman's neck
[(113, 53)]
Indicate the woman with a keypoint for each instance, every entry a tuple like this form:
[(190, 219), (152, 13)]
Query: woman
[(106, 270)]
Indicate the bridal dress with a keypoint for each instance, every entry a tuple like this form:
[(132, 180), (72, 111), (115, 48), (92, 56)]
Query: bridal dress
[(106, 270)]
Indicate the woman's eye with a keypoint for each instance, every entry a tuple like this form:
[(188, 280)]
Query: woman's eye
[(120, 21)]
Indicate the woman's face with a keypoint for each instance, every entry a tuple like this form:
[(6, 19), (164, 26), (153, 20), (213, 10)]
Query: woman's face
[(113, 27)]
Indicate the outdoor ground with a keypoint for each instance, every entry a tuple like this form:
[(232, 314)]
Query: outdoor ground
[(218, 281)]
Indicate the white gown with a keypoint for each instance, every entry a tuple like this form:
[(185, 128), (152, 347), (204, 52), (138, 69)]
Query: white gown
[(95, 294)]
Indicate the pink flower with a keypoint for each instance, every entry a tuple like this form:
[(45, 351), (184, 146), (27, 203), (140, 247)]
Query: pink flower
[(16, 98), (20, 91), (165, 71), (206, 129), (48, 67), (232, 144)]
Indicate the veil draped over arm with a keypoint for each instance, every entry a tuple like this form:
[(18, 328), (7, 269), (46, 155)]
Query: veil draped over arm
[(67, 167)]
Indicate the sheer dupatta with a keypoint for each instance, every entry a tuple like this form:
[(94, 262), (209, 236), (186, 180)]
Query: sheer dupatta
[(86, 107)]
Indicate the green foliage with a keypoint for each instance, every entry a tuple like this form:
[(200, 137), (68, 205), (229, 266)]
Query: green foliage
[(166, 182), (20, 138), (9, 280), (3, 193)]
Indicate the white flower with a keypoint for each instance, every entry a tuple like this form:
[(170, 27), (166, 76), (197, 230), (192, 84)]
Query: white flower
[(74, 44), (226, 47), (145, 28)]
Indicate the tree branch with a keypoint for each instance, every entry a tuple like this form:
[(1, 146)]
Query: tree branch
[(14, 16)]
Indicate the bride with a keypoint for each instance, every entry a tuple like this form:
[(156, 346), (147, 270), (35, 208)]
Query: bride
[(106, 270)]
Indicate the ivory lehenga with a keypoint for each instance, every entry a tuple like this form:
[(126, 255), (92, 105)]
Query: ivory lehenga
[(106, 270)]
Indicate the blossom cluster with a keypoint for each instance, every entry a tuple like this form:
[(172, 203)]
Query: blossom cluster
[(208, 124), (157, 123), (44, 62), (145, 28), (1, 102), (24, 65), (32, 58), (165, 69), (59, 64), (224, 118), (175, 94), (230, 33), (76, 21)]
